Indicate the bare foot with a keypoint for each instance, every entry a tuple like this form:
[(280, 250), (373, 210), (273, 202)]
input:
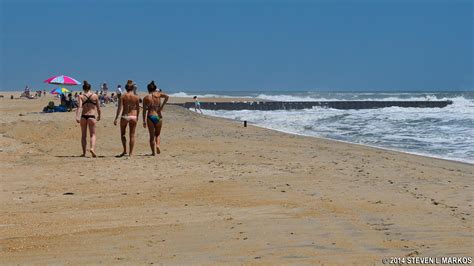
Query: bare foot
[(83, 155), (121, 155), (158, 150), (93, 153)]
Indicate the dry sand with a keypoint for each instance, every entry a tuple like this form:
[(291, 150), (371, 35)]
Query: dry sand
[(219, 193)]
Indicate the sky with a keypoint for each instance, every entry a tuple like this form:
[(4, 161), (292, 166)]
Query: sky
[(185, 45)]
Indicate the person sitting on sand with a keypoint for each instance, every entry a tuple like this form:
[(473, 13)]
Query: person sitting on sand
[(197, 105), (87, 114), (74, 103), (29, 96), (130, 108), (113, 98), (154, 119), (63, 99), (69, 102), (49, 108)]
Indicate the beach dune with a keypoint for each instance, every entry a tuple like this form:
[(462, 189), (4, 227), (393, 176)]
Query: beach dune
[(219, 193)]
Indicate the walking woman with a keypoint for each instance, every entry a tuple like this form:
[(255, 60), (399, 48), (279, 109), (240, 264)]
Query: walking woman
[(87, 115), (152, 117), (130, 108)]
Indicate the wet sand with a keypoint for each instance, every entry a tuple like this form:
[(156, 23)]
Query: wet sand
[(219, 193)]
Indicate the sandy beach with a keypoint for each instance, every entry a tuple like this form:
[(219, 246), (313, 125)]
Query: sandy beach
[(219, 193)]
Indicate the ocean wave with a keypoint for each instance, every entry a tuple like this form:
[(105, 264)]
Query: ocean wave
[(361, 97), (374, 143), (438, 132), (187, 95)]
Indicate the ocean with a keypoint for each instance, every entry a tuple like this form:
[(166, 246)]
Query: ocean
[(446, 133)]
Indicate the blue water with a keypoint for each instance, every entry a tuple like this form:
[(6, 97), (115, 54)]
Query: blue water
[(438, 132)]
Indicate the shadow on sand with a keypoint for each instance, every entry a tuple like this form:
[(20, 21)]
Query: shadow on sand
[(79, 156), (104, 156)]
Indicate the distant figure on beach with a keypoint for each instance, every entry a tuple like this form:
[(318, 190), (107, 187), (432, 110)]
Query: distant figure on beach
[(68, 102), (101, 99), (87, 114), (63, 99), (135, 88), (74, 101), (113, 98), (104, 88), (119, 91), (130, 108), (51, 108), (197, 105), (27, 91), (152, 117), (26, 94)]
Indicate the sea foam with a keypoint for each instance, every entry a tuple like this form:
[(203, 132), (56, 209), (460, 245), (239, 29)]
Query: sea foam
[(438, 132)]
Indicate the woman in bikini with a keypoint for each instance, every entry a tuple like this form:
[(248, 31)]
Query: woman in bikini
[(87, 114), (129, 106), (152, 107)]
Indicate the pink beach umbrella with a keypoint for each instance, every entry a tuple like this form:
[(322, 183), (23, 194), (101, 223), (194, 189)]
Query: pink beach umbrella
[(62, 80)]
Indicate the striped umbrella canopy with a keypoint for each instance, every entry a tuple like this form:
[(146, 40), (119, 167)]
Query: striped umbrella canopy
[(62, 80), (60, 91)]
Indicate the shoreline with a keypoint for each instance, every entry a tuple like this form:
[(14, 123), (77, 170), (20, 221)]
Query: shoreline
[(365, 145), (348, 142)]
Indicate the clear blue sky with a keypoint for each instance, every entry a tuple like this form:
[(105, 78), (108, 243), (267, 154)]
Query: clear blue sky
[(240, 45)]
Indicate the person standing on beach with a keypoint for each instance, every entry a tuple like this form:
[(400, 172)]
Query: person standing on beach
[(130, 108), (197, 105), (119, 91), (135, 88), (87, 115), (104, 88), (152, 117)]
